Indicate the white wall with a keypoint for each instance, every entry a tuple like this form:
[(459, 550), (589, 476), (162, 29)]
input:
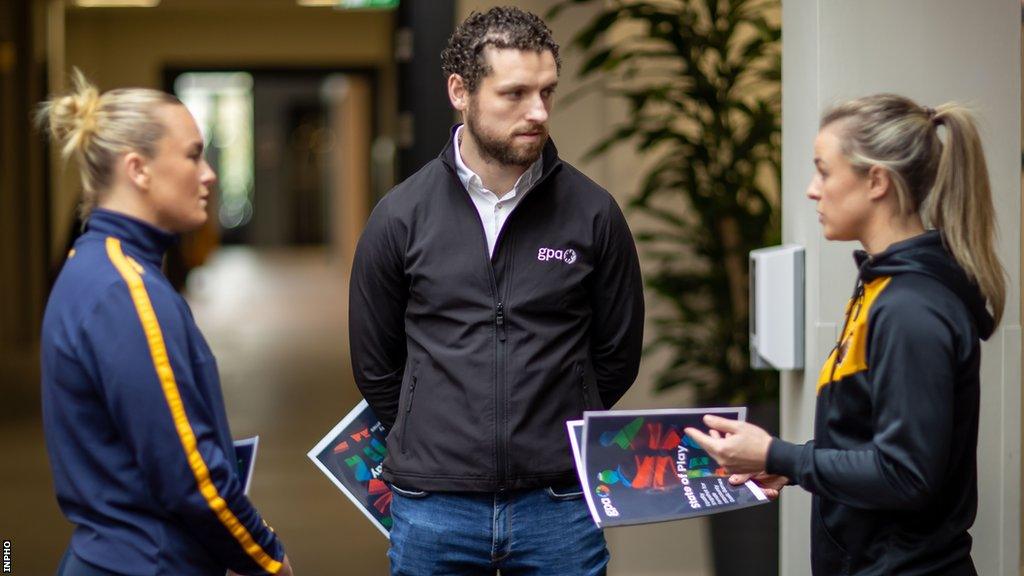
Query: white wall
[(932, 51)]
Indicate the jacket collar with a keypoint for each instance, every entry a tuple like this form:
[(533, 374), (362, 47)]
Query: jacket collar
[(150, 242)]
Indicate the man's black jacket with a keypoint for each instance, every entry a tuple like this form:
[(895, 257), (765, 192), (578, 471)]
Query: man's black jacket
[(473, 362)]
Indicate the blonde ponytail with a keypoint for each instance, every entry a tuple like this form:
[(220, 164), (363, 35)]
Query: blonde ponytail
[(72, 118), (960, 205), (945, 182), (96, 129)]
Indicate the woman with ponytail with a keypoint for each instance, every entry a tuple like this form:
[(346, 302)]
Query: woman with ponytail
[(140, 448), (893, 463)]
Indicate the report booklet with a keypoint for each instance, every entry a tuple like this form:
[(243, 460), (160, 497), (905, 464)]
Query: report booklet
[(638, 467), (245, 460), (351, 456), (245, 456)]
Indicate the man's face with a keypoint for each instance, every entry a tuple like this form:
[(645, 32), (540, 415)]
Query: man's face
[(508, 113)]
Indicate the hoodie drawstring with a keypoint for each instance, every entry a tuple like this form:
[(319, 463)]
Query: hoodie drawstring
[(856, 301)]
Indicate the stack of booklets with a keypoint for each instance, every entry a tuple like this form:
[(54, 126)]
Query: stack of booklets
[(636, 467)]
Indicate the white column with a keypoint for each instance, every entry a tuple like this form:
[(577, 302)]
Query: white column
[(932, 51)]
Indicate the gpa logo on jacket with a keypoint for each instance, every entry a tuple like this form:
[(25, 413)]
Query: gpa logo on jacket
[(567, 256)]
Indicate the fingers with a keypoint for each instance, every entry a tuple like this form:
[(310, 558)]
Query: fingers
[(706, 442), (723, 424), (737, 479)]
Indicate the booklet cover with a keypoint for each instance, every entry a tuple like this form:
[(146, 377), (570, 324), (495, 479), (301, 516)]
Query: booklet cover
[(638, 467), (351, 456), (245, 455)]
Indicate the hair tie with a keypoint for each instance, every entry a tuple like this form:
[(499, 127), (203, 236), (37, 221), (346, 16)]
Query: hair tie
[(930, 112)]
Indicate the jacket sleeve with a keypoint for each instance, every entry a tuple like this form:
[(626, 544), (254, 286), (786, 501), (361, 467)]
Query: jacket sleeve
[(376, 325), (912, 373), (138, 338), (617, 301)]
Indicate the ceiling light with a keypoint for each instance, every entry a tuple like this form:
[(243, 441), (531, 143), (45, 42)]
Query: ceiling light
[(356, 4), (116, 3)]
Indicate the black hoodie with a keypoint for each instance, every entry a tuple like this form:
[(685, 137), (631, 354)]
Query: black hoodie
[(893, 463)]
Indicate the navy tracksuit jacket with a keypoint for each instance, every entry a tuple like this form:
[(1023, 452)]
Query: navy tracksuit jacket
[(138, 438)]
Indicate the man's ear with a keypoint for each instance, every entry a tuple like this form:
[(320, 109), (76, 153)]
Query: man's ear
[(879, 182), (137, 169), (457, 93)]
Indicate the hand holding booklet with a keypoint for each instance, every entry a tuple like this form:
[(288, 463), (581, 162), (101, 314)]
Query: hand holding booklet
[(638, 467)]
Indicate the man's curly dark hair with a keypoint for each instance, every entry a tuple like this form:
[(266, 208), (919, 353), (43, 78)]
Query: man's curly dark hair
[(501, 27)]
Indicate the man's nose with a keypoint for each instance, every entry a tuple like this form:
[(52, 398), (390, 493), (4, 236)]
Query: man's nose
[(538, 112)]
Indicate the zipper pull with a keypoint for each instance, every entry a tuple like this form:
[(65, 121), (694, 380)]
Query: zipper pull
[(499, 320)]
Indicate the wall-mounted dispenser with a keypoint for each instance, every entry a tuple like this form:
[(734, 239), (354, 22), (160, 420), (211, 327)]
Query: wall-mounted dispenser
[(777, 307)]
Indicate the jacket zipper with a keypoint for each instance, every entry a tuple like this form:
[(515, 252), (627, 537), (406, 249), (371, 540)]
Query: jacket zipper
[(499, 396), (500, 435), (408, 411), (853, 311), (583, 385)]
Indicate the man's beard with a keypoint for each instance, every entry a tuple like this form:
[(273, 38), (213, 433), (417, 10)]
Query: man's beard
[(504, 151)]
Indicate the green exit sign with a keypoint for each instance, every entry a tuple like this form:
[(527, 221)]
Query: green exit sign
[(371, 4)]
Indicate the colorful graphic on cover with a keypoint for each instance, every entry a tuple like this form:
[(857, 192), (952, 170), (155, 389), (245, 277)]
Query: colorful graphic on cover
[(642, 468), (351, 455)]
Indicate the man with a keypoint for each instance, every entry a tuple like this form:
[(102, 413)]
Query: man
[(495, 294)]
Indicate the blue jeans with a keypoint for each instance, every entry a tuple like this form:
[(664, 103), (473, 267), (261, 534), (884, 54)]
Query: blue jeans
[(522, 533)]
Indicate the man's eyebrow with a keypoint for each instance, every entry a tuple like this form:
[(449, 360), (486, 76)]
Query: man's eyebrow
[(524, 86)]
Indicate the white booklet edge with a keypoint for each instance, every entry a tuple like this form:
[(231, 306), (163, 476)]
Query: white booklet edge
[(572, 426)]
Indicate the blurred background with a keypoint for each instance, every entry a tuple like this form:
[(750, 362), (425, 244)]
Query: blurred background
[(312, 110)]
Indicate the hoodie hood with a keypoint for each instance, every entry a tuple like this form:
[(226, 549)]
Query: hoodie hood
[(926, 254)]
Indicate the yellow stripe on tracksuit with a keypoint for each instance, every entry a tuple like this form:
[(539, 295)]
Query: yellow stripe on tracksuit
[(158, 351)]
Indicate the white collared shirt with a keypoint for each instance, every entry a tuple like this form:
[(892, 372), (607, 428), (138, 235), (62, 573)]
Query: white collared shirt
[(493, 210)]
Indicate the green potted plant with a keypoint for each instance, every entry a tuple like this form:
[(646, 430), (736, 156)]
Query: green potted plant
[(702, 79)]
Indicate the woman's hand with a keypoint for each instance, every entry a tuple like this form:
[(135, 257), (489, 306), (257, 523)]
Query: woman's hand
[(739, 447), (770, 484)]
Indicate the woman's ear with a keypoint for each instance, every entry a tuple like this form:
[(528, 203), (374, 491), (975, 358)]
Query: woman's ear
[(879, 182), (136, 169)]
